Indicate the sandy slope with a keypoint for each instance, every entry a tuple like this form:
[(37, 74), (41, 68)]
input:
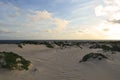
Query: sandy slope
[(61, 64)]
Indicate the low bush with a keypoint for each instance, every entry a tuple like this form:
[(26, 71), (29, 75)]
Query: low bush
[(98, 56), (13, 61), (20, 46)]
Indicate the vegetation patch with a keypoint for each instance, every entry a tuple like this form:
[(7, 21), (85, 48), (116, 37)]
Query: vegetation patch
[(114, 47), (13, 61), (49, 45), (98, 56), (20, 46)]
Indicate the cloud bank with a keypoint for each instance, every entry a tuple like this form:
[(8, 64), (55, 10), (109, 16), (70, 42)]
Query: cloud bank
[(110, 10), (14, 19)]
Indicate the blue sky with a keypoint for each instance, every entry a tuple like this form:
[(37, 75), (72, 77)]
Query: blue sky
[(59, 19)]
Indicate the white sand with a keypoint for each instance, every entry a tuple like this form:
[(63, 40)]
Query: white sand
[(61, 64)]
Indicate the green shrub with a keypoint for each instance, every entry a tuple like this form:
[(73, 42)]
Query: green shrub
[(13, 61), (115, 48), (98, 56), (49, 45), (20, 46)]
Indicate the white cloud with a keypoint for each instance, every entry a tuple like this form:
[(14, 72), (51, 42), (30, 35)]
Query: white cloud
[(111, 10), (39, 21), (110, 13), (42, 24), (60, 24), (45, 17), (40, 15), (99, 11), (18, 22)]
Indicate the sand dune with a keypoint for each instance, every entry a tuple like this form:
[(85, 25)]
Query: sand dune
[(61, 64)]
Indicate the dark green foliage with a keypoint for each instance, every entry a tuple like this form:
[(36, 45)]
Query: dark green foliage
[(115, 48), (49, 45), (64, 44), (20, 46), (29, 42), (98, 56), (78, 44), (95, 46), (10, 61), (106, 48), (60, 43)]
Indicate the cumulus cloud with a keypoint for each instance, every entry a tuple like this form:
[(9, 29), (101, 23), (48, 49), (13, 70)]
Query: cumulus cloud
[(36, 23), (110, 23), (60, 24), (40, 15), (47, 17), (110, 10)]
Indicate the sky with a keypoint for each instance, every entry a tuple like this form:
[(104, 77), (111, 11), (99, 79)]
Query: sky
[(60, 19)]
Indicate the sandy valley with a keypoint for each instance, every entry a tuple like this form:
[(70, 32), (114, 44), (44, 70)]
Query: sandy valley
[(62, 64)]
